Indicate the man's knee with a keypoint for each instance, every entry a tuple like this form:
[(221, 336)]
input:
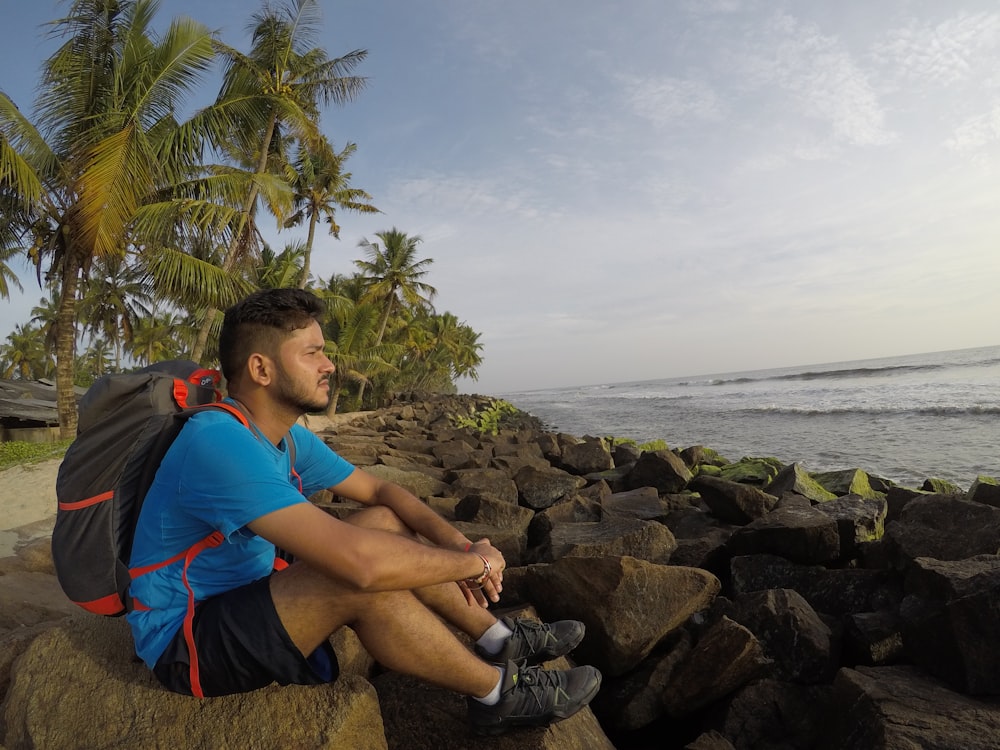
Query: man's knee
[(378, 517)]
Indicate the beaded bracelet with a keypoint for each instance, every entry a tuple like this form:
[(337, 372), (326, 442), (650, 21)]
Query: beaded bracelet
[(487, 569)]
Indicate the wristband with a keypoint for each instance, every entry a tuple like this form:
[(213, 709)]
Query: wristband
[(487, 569)]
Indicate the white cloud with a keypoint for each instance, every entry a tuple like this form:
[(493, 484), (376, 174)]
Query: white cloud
[(824, 80), (959, 49), (667, 100)]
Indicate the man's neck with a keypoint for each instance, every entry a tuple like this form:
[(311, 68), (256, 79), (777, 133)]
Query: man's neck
[(269, 421)]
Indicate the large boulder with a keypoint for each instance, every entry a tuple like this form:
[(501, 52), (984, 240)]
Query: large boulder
[(892, 708), (733, 502), (78, 685), (628, 605), (663, 470), (539, 489), (646, 540), (943, 527), (950, 618), (804, 535), (794, 478)]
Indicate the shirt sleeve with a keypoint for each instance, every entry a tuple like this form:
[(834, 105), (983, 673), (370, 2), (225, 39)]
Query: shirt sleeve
[(317, 465)]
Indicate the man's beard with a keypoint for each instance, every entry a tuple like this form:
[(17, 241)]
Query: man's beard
[(301, 398)]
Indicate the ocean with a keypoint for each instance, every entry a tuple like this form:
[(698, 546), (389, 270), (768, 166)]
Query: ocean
[(902, 418)]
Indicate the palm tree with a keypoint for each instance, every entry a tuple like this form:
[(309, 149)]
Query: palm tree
[(321, 187), (393, 274), (350, 331), (155, 338), (281, 270), (24, 354), (102, 145), (278, 86), (115, 296), (7, 276)]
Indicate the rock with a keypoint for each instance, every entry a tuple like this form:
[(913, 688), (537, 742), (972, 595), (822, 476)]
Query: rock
[(484, 509), (726, 657), (663, 470), (873, 639), (643, 503), (847, 482), (985, 490), (897, 708), (791, 634), (635, 700), (417, 482), (78, 686), (943, 527), (803, 535), (836, 592), (794, 478), (755, 471), (773, 714), (628, 605), (950, 618), (733, 502), (645, 540), (941, 486), (586, 457), (539, 489), (859, 520), (493, 482), (710, 741)]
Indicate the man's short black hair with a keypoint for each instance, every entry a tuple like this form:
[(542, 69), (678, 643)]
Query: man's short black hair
[(260, 322)]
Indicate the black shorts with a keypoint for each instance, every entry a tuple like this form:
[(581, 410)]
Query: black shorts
[(242, 646)]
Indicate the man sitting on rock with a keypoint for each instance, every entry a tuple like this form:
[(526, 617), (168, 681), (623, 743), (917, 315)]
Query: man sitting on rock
[(219, 621)]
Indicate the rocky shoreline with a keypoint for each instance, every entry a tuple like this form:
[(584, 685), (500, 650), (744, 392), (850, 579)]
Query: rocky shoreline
[(729, 604)]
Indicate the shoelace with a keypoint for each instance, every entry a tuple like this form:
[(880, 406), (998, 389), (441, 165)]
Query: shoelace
[(537, 683)]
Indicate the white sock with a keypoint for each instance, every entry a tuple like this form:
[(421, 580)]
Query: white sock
[(494, 638), (493, 697)]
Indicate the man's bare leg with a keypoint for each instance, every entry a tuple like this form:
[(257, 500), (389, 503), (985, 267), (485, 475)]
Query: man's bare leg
[(398, 630)]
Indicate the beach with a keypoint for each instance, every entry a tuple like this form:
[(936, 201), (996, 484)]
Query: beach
[(29, 504)]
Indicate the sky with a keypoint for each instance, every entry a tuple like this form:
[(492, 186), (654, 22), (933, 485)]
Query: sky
[(614, 192)]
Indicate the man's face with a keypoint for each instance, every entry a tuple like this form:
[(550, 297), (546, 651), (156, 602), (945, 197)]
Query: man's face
[(304, 370)]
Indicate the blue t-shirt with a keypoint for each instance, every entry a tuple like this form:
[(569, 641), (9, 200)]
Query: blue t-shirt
[(217, 475)]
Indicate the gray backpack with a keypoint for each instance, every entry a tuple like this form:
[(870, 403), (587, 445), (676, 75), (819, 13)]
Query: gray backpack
[(126, 424)]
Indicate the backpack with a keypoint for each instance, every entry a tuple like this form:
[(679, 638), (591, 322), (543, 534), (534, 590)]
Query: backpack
[(127, 423)]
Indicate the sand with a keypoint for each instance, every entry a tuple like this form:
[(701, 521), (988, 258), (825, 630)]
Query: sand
[(27, 503)]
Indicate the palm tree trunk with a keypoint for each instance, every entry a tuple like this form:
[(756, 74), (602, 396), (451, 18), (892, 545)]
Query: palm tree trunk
[(313, 218), (65, 344), (381, 332), (239, 237)]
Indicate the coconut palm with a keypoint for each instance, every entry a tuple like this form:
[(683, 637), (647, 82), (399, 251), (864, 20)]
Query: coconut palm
[(350, 344), (23, 354), (392, 274), (281, 270), (155, 338), (273, 91), (101, 146), (114, 297), (7, 276), (321, 187)]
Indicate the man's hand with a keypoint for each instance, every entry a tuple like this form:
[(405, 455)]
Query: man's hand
[(489, 590)]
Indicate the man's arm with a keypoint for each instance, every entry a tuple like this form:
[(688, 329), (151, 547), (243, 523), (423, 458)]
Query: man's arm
[(369, 559), (416, 514)]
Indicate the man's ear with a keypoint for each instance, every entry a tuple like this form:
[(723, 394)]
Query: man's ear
[(260, 369)]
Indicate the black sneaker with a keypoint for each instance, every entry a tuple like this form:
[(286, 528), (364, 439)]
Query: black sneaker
[(533, 697), (534, 642)]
